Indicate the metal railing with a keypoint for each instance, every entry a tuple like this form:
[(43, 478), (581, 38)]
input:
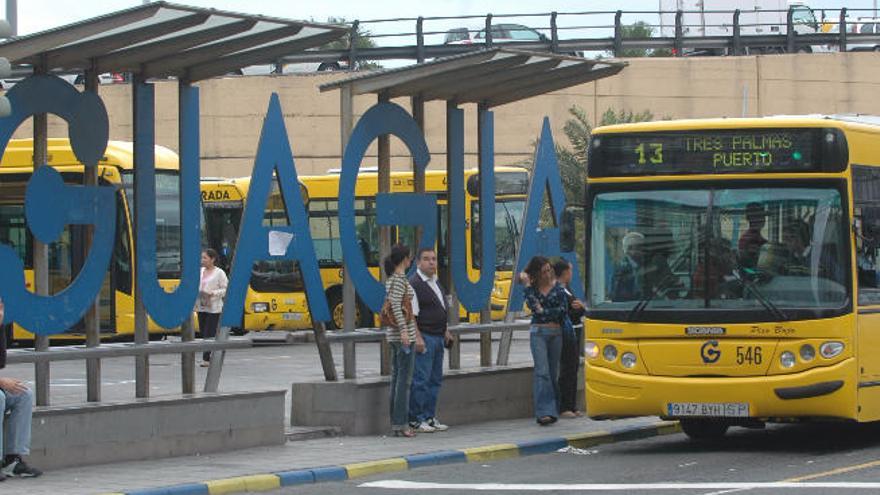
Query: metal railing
[(93, 354), (606, 32), (377, 336)]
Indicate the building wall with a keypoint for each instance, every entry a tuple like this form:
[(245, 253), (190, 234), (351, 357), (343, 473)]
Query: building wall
[(233, 107)]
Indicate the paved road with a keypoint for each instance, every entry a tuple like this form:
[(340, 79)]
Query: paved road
[(831, 458), (266, 367)]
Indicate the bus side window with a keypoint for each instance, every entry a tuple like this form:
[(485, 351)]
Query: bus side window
[(866, 192)]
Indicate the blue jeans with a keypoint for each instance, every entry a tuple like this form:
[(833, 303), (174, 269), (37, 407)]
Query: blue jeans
[(15, 436), (401, 378), (427, 378), (546, 345)]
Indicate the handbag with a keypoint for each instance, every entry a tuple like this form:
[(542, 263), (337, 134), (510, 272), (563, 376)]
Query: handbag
[(386, 316)]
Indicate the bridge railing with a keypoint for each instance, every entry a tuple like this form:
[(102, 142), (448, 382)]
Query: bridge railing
[(421, 38)]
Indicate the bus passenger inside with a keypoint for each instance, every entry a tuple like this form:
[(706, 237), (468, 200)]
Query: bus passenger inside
[(792, 255), (751, 241), (639, 273)]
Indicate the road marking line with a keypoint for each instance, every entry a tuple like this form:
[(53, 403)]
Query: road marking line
[(596, 487), (832, 472)]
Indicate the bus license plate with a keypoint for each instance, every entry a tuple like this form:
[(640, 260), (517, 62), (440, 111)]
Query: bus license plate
[(708, 409), (291, 316)]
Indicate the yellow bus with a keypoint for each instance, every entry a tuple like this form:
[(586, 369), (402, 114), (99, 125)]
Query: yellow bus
[(323, 190), (733, 272), (67, 255), (275, 298)]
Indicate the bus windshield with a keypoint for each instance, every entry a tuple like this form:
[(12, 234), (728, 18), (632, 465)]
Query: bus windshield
[(168, 242), (781, 251), (508, 215)]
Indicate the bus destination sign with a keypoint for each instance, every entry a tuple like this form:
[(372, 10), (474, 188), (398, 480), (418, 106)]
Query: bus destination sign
[(717, 152)]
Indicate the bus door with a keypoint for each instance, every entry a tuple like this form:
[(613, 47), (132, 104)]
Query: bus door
[(222, 221)]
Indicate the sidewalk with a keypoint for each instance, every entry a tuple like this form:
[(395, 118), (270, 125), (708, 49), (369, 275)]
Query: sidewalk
[(337, 451)]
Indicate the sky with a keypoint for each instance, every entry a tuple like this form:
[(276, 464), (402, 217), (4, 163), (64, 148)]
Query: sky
[(38, 15)]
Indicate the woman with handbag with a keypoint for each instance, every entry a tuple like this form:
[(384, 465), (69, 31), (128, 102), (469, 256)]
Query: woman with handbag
[(400, 328), (548, 303)]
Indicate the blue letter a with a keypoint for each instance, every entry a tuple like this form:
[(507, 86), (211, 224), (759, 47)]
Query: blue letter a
[(274, 155), (536, 241)]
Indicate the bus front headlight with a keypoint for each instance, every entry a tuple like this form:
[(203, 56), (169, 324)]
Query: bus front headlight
[(260, 307), (807, 352), (831, 349), (787, 359), (628, 360), (609, 352), (591, 350)]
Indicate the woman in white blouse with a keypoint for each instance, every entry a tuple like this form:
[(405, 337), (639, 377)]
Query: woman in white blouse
[(212, 289)]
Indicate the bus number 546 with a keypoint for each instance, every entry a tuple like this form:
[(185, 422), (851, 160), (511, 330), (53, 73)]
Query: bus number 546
[(748, 354)]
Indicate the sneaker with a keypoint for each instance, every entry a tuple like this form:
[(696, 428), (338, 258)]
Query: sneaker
[(17, 467), (437, 425), (424, 427)]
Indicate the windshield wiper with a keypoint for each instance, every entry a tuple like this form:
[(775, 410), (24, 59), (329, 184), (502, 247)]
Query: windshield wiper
[(767, 303)]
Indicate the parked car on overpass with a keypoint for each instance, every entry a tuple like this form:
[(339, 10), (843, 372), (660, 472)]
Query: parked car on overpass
[(501, 33)]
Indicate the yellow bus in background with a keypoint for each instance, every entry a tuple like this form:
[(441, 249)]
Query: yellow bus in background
[(323, 190), (275, 298), (67, 255), (734, 271)]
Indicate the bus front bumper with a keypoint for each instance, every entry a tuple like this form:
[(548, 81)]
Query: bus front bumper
[(819, 392)]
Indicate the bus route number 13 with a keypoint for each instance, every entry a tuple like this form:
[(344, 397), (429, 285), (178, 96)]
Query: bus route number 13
[(653, 152)]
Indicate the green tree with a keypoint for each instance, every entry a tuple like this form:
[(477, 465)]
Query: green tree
[(363, 40), (640, 30)]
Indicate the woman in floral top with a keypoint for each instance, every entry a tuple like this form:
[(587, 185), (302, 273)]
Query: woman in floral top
[(401, 337), (548, 303)]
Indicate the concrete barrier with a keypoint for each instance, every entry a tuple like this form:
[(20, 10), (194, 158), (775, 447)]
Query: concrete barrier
[(65, 436), (360, 407)]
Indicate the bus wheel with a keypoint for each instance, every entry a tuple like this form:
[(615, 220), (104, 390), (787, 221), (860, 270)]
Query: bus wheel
[(704, 429)]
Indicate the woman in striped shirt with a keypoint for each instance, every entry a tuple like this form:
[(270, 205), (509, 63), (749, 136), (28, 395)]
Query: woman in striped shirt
[(401, 336)]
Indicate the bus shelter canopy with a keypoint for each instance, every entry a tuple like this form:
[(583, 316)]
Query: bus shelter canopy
[(490, 77), (162, 39)]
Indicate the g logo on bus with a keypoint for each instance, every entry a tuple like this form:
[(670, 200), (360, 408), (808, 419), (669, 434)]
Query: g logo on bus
[(709, 352)]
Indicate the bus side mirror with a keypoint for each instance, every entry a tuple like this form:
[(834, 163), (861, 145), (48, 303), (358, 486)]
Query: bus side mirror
[(566, 231)]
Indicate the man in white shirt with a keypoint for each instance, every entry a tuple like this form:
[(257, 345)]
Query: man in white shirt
[(429, 307)]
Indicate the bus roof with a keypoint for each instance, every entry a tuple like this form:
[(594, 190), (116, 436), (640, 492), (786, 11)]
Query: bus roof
[(811, 120), (120, 154)]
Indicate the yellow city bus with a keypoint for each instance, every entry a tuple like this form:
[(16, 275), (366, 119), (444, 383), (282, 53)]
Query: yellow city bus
[(67, 255), (733, 274), (275, 298), (511, 189)]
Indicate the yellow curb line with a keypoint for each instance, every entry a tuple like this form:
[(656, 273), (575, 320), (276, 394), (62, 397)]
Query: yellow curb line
[(254, 483), (361, 469), (491, 452)]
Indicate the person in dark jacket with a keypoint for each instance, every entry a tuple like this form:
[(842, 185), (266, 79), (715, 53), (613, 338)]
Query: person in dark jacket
[(429, 306), (571, 347)]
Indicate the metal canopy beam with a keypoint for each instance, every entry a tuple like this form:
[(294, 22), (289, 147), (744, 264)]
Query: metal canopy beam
[(493, 82), (537, 79), (262, 54), (554, 84), (20, 50), (456, 76), (384, 81), (78, 52), (169, 65), (131, 58)]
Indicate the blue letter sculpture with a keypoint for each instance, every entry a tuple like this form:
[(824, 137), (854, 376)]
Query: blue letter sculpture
[(274, 154), (50, 205), (401, 209), (474, 296), (536, 241), (167, 309)]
